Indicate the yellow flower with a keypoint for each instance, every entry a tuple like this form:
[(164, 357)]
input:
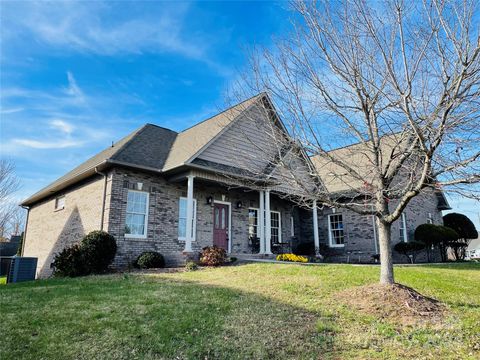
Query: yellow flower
[(292, 258)]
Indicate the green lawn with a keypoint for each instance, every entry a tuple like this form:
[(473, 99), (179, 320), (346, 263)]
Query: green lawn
[(254, 311)]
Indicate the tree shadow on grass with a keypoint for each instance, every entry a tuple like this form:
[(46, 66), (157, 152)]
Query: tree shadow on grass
[(137, 317)]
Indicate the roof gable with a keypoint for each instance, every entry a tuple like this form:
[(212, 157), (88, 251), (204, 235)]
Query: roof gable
[(192, 141)]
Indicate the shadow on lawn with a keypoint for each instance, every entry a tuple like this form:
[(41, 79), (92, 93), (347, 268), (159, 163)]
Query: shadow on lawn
[(150, 317)]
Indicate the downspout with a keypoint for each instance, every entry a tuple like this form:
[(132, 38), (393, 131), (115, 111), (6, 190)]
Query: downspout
[(104, 196), (25, 229)]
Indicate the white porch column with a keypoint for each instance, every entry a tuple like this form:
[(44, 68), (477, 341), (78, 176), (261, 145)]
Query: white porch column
[(315, 227), (268, 224), (261, 222), (188, 235)]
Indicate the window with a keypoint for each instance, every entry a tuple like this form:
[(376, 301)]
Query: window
[(275, 221), (275, 225), (182, 219), (252, 222), (430, 218), (60, 203), (335, 230), (403, 228), (137, 214)]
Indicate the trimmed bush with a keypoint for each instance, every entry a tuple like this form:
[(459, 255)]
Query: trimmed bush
[(69, 262), (93, 255), (99, 248), (306, 248), (150, 260), (213, 256), (410, 249), (465, 230), (435, 236), (191, 266)]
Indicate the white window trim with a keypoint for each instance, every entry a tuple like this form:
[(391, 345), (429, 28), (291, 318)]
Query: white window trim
[(56, 203), (194, 227), (403, 224), (429, 218), (279, 221), (330, 237), (292, 226), (145, 226), (279, 225)]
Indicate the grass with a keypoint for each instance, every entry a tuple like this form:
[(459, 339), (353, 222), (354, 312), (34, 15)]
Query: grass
[(253, 311)]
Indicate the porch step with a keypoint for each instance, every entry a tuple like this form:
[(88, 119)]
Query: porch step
[(246, 257)]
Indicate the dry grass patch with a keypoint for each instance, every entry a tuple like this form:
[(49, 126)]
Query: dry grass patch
[(396, 303)]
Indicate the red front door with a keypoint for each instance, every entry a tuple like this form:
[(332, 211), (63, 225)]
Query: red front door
[(220, 225)]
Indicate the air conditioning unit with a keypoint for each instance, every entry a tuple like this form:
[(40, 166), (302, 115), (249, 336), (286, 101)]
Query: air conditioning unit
[(22, 269)]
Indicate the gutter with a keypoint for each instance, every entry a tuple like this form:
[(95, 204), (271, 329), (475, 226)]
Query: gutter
[(104, 196), (24, 229)]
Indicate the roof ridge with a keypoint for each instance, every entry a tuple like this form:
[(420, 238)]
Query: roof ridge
[(161, 127), (132, 136), (223, 111), (354, 144)]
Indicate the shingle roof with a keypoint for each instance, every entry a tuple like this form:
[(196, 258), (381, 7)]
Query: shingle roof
[(192, 140), (88, 165), (358, 157), (151, 147)]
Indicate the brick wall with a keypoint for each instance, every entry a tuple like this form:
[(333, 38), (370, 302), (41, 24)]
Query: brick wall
[(359, 233), (162, 232), (50, 230)]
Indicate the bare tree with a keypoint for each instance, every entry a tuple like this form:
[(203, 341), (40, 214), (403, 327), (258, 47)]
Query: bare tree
[(11, 216), (399, 79)]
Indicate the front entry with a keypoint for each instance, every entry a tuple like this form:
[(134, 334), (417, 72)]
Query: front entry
[(220, 225)]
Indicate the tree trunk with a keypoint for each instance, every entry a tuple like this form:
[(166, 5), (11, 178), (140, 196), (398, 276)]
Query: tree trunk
[(386, 261)]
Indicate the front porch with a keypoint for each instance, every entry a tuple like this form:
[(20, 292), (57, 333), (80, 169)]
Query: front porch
[(239, 219)]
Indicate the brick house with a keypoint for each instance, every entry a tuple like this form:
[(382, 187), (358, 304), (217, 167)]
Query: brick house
[(176, 193)]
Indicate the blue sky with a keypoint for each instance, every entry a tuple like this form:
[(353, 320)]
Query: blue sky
[(76, 76)]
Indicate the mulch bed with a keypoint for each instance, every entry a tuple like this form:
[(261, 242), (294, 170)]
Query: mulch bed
[(398, 303)]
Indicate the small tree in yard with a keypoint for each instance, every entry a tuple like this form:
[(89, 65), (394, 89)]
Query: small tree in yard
[(401, 79), (466, 232)]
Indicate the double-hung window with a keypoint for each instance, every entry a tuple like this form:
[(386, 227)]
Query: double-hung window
[(182, 219), (137, 214), (275, 226), (336, 233), (403, 228), (252, 222)]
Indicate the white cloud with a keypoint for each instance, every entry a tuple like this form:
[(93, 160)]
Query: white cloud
[(11, 111), (73, 89), (106, 28), (65, 117), (62, 125), (47, 144)]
